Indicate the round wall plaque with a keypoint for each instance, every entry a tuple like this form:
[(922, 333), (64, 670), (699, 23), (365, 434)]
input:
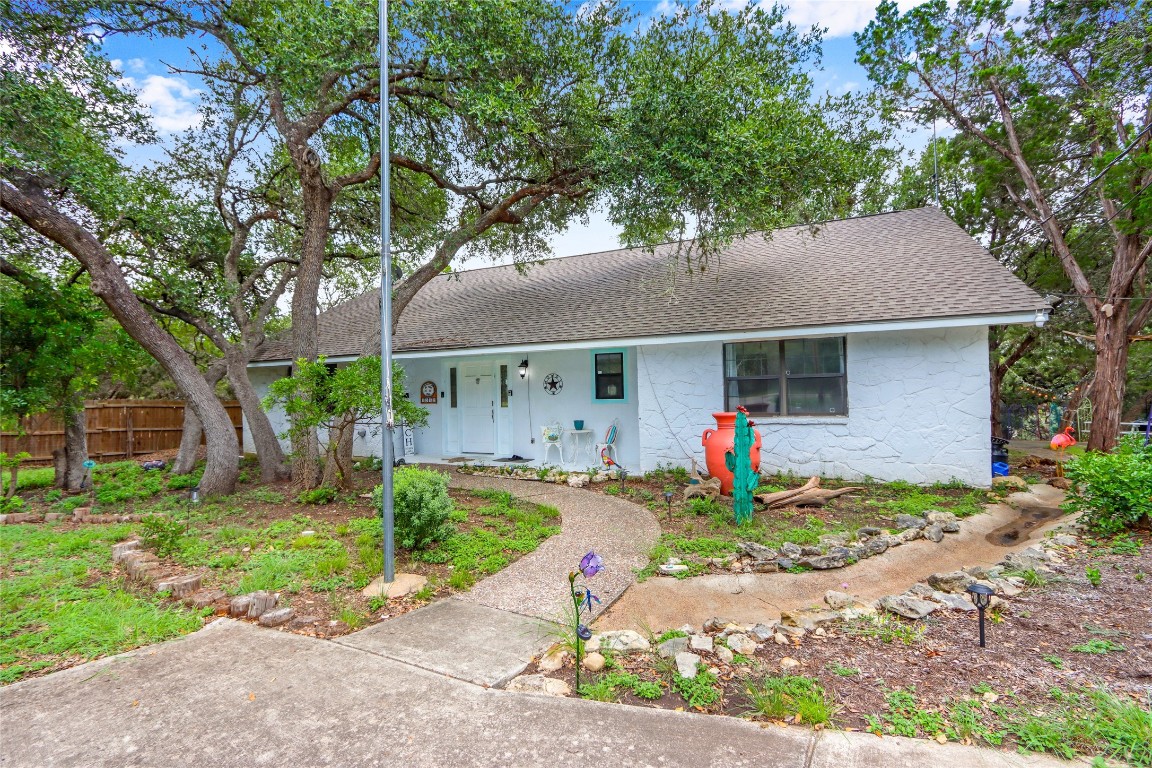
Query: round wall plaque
[(553, 383)]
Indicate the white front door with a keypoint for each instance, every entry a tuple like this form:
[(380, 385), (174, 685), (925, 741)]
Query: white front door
[(479, 401)]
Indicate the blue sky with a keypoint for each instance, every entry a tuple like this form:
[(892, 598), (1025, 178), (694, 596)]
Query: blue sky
[(172, 98)]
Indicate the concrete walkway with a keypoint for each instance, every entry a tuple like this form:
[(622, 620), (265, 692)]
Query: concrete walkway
[(537, 584), (234, 694), (663, 603)]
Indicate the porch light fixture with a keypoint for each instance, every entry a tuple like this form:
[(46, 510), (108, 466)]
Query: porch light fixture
[(981, 598), (523, 368)]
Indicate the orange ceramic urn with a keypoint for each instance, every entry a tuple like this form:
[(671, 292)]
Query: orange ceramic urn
[(718, 442)]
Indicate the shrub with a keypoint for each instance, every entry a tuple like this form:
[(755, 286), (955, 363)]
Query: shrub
[(13, 504), (162, 534), (1113, 489), (321, 495), (422, 506)]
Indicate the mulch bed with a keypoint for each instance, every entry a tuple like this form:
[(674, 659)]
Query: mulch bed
[(947, 665)]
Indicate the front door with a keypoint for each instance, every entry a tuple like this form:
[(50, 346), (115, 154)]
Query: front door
[(479, 426)]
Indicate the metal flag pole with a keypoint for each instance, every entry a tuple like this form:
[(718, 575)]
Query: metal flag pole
[(387, 416)]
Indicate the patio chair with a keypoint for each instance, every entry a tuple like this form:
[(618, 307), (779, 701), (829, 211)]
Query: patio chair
[(553, 437), (608, 447)]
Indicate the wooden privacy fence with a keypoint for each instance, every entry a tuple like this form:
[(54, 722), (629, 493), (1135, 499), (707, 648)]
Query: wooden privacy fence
[(117, 429)]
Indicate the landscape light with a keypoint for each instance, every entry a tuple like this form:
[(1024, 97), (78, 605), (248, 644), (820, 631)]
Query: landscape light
[(668, 501), (981, 598)]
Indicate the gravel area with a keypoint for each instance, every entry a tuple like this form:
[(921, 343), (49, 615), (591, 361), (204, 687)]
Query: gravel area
[(537, 584)]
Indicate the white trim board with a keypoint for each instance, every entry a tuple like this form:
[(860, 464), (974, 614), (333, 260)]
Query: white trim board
[(964, 321)]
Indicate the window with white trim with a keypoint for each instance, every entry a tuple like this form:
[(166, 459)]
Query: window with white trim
[(792, 377)]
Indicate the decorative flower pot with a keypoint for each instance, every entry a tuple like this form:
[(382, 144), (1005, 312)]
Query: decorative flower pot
[(718, 442)]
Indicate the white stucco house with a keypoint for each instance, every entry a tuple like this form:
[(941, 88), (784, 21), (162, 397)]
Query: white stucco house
[(860, 349)]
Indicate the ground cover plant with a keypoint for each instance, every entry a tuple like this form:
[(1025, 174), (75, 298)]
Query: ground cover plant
[(65, 602), (1064, 671)]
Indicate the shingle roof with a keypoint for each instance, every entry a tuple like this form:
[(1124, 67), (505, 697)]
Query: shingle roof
[(905, 265)]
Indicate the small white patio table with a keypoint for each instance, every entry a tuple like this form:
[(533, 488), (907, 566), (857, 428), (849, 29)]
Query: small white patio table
[(577, 436)]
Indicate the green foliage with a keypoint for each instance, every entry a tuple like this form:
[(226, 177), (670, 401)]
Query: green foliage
[(792, 696), (599, 690), (52, 608), (162, 535), (1093, 576), (643, 689), (670, 634), (1054, 660), (1098, 646), (1114, 490), (11, 504), (317, 397), (699, 691), (842, 671), (461, 579), (915, 503), (704, 506), (319, 496), (421, 506), (906, 718)]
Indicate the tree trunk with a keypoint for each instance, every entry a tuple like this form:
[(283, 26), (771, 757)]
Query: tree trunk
[(108, 283), (192, 431), (59, 468), (1108, 387), (13, 474), (75, 449), (272, 465), (338, 464), (317, 216)]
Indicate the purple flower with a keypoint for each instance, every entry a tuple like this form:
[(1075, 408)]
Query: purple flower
[(583, 632), (591, 565)]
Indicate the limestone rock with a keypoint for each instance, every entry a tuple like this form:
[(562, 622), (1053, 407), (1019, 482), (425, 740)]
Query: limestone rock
[(593, 662), (672, 646), (1062, 483), (984, 573), (953, 602), (276, 617), (686, 664), (907, 606), (905, 522), (824, 562), (934, 533), (724, 654), (578, 480), (623, 640), (701, 643), (837, 600), (742, 644), (1064, 540), (832, 540), (763, 632), (553, 661), (790, 550), (781, 639), (873, 547), (910, 534), (1012, 481), (869, 530), (953, 581), (716, 624), (671, 569), (539, 684), (785, 563), (757, 551), (765, 566), (788, 663), (890, 540), (947, 521), (302, 621)]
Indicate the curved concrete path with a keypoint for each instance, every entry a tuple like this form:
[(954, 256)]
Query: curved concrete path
[(664, 603), (537, 584)]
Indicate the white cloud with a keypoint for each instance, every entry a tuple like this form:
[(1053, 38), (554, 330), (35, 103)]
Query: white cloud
[(840, 17), (137, 65), (171, 100)]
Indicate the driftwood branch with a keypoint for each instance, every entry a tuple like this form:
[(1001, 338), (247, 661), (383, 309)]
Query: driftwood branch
[(808, 495)]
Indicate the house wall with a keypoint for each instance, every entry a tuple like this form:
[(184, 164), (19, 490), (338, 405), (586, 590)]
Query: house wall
[(918, 410), (519, 426)]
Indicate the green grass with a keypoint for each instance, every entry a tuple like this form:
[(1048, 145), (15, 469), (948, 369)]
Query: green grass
[(509, 528), (777, 698), (885, 628), (30, 478), (52, 609)]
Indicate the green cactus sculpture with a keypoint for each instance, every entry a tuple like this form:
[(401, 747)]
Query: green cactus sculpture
[(739, 463)]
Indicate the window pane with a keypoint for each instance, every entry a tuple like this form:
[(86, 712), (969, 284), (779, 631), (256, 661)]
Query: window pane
[(612, 362), (503, 386), (609, 383), (452, 386), (803, 356), (755, 358), (822, 396), (759, 396)]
